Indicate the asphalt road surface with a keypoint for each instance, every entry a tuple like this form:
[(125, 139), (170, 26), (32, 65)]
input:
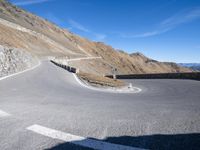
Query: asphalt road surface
[(46, 107)]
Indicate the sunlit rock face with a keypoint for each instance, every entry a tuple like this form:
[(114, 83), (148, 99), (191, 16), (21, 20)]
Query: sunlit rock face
[(14, 60)]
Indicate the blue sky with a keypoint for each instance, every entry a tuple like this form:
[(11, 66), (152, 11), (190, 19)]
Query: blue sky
[(165, 30)]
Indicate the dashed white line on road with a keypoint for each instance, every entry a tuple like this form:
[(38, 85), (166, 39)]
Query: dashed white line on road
[(78, 140), (4, 114)]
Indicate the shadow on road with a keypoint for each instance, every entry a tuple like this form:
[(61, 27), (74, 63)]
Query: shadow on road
[(155, 142)]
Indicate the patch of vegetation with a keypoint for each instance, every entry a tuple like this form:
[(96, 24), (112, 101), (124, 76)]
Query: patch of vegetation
[(98, 81)]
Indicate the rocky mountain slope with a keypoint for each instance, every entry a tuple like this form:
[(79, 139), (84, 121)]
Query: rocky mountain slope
[(41, 38)]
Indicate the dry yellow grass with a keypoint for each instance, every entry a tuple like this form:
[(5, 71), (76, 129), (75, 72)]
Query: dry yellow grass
[(96, 80)]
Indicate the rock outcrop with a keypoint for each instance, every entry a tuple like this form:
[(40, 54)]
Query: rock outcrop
[(13, 60)]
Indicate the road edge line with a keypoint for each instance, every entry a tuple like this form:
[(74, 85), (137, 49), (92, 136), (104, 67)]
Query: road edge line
[(4, 114), (17, 73), (78, 140)]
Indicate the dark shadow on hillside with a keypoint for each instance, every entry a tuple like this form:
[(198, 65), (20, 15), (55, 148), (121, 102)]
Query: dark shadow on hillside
[(154, 142)]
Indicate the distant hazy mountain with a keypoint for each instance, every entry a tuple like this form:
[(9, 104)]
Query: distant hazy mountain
[(194, 66)]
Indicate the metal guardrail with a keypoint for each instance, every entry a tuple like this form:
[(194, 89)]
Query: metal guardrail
[(190, 75), (68, 68)]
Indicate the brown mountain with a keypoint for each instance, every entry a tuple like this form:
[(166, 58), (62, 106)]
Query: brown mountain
[(42, 38)]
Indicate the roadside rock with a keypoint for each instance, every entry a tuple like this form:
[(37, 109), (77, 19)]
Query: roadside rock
[(14, 60)]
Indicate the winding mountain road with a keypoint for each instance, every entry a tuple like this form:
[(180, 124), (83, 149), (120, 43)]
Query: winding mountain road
[(46, 108)]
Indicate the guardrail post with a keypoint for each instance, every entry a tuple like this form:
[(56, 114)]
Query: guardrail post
[(114, 76), (130, 85), (77, 70)]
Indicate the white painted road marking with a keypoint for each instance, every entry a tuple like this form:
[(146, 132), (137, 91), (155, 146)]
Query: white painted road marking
[(4, 114), (78, 140), (17, 73)]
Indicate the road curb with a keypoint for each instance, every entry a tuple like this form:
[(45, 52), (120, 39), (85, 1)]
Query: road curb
[(110, 90)]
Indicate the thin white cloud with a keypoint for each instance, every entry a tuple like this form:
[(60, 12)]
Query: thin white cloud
[(56, 20), (181, 18), (28, 2), (78, 26), (169, 23), (100, 37), (146, 34)]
